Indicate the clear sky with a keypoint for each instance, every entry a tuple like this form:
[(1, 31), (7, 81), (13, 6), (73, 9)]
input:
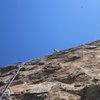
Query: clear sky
[(33, 28)]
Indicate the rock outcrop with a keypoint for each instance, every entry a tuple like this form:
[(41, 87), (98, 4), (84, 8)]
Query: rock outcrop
[(71, 74)]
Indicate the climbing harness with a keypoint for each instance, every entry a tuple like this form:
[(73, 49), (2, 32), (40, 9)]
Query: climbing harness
[(8, 86)]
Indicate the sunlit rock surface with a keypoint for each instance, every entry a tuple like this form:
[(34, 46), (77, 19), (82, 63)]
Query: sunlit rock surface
[(71, 74)]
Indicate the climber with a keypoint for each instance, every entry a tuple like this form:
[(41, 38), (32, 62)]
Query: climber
[(56, 50)]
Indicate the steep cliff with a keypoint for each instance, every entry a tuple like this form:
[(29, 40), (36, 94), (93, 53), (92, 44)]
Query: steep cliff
[(71, 74)]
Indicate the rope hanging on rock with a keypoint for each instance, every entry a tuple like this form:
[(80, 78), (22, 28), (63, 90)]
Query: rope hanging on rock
[(8, 86)]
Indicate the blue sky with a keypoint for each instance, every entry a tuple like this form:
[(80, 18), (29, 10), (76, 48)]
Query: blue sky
[(33, 28)]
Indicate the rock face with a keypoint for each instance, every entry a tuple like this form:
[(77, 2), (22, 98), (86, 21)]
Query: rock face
[(71, 74)]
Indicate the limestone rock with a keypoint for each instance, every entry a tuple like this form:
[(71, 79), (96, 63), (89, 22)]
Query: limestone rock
[(71, 74)]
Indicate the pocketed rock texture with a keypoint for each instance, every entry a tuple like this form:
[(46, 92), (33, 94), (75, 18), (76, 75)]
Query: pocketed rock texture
[(71, 74)]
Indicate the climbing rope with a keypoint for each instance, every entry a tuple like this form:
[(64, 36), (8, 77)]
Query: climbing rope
[(8, 86)]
